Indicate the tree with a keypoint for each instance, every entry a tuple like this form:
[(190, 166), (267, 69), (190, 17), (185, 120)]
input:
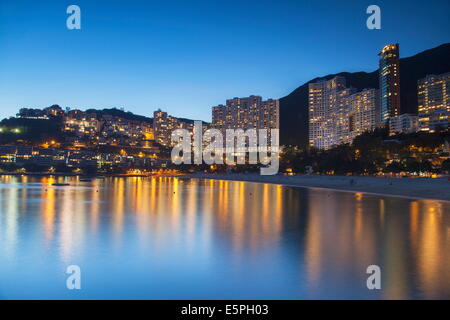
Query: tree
[(425, 166), (412, 165), (446, 166), (394, 167), (30, 130)]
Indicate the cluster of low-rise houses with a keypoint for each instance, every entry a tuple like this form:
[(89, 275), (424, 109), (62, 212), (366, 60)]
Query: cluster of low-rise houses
[(88, 128), (85, 130), (93, 129)]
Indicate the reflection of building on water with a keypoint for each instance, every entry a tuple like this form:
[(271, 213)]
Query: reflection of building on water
[(336, 235), (48, 210), (345, 237), (431, 246), (9, 224), (341, 237), (234, 209)]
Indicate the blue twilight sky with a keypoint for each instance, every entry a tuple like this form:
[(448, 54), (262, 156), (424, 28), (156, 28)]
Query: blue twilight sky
[(186, 56)]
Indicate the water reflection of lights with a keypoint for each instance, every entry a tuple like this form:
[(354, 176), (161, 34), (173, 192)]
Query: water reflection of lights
[(339, 234)]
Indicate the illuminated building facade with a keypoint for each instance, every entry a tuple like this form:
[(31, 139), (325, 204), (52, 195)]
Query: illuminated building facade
[(362, 111), (338, 114), (247, 113), (120, 131), (326, 108), (404, 123), (389, 77), (81, 123), (106, 129), (164, 124), (433, 93), (160, 127)]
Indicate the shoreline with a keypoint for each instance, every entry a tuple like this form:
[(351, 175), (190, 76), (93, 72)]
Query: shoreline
[(58, 174), (410, 188)]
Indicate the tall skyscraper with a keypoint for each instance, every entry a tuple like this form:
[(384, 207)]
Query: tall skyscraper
[(433, 94), (246, 113), (389, 73)]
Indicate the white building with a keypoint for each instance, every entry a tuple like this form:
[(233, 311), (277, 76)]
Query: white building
[(247, 113), (338, 114), (433, 94), (404, 123), (326, 117)]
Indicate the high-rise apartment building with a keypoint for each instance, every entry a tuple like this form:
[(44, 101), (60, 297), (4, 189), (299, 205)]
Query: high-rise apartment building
[(247, 113), (338, 114), (433, 93), (160, 127), (389, 76), (163, 125), (362, 113), (404, 123), (326, 105)]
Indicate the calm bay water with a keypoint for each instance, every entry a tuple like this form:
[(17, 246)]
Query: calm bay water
[(167, 238)]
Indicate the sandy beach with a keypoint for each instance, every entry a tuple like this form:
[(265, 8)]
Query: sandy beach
[(417, 188)]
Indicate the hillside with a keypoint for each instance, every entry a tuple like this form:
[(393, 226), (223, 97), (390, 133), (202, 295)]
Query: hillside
[(294, 107), (122, 114)]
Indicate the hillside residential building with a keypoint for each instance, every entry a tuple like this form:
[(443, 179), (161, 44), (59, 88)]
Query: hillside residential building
[(433, 94)]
